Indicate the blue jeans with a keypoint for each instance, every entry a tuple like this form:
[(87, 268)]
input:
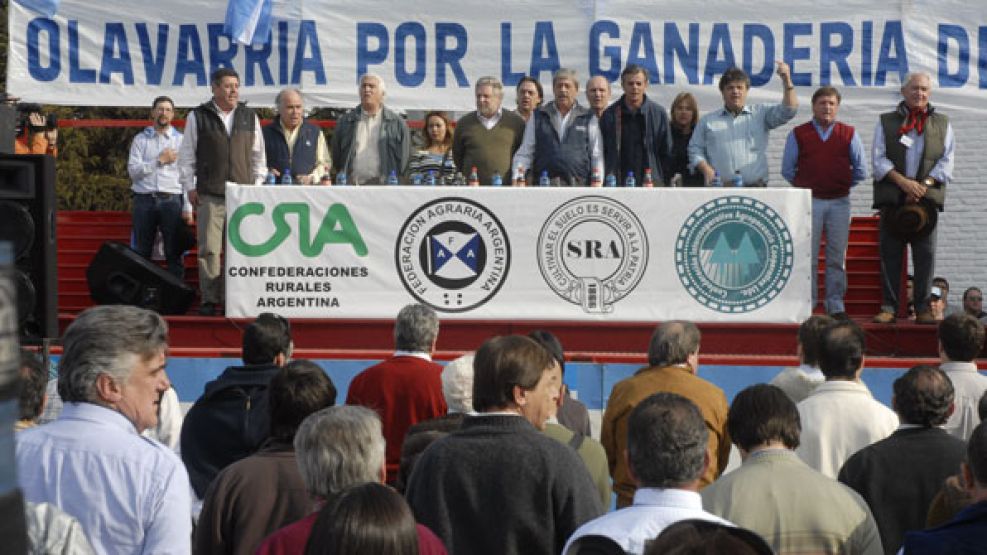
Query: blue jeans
[(831, 216), (153, 212)]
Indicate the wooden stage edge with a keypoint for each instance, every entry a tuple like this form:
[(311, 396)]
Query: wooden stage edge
[(898, 345)]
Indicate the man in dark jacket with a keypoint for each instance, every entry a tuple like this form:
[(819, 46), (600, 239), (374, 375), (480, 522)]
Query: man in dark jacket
[(230, 420), (371, 142), (294, 144), (635, 131)]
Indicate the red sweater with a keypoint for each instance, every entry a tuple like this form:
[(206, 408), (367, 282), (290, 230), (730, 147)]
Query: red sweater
[(824, 166), (403, 390)]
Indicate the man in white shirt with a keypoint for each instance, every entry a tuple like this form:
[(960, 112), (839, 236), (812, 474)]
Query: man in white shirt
[(667, 455), (129, 493), (841, 417), (961, 337), (159, 201)]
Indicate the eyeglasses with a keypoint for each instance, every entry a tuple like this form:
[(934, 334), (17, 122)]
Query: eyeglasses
[(975, 299)]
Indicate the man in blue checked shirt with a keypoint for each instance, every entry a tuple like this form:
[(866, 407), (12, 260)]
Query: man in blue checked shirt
[(159, 202), (827, 157)]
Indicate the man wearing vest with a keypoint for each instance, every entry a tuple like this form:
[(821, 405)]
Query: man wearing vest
[(293, 144), (827, 157), (223, 142), (913, 163), (635, 130), (563, 138)]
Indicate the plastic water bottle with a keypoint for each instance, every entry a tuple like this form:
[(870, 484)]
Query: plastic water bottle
[(497, 180), (392, 178), (629, 181), (416, 178), (341, 178), (611, 180), (521, 180), (271, 179), (717, 182), (286, 177), (594, 178), (738, 180), (474, 180), (544, 181), (458, 180), (430, 178), (648, 180)]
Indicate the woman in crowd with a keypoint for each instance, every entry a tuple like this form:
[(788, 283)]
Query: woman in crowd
[(685, 115), (367, 519), (437, 154)]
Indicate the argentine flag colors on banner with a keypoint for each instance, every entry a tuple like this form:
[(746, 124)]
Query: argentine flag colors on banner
[(249, 21)]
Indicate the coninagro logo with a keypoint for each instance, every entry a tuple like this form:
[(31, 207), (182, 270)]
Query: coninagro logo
[(734, 254), (336, 227)]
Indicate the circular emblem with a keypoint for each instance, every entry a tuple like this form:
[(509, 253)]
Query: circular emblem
[(734, 254), (452, 254), (592, 251)]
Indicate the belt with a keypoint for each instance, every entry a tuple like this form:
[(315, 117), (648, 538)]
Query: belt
[(159, 196)]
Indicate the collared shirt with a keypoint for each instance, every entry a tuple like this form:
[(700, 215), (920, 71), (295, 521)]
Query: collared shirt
[(526, 152), (322, 159), (941, 172), (653, 510), (730, 143), (129, 493), (969, 385), (790, 157), (147, 174), (492, 121), (186, 155), (366, 150), (417, 354)]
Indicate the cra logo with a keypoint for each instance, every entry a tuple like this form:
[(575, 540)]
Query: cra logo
[(592, 251), (734, 254), (336, 227), (452, 254)]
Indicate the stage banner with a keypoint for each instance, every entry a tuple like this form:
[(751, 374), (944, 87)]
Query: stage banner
[(430, 53), (617, 255)]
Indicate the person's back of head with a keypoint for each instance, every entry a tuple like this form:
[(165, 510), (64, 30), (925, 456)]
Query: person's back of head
[(33, 381), (982, 407), (266, 340), (673, 343), (841, 351), (457, 384), (503, 363), (594, 544), (701, 537), (299, 389), (975, 469), (923, 396), (762, 414), (809, 336), (365, 519), (666, 442), (961, 337), (338, 447), (415, 329), (551, 344)]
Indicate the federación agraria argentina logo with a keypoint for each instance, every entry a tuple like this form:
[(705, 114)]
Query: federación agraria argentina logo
[(452, 254), (592, 251), (734, 254)]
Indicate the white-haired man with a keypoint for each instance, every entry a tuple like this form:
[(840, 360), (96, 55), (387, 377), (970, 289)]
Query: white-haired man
[(294, 144), (371, 142)]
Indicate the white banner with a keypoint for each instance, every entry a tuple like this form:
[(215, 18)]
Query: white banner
[(634, 255), (430, 53)]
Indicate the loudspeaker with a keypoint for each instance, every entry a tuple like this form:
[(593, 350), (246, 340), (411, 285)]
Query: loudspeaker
[(27, 220), (118, 275), (8, 128)]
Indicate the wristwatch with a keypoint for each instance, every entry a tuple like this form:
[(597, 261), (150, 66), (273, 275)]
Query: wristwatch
[(929, 182)]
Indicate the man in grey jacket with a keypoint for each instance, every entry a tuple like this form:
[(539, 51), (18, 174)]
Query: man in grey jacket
[(371, 142)]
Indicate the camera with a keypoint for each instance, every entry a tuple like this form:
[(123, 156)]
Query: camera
[(23, 122)]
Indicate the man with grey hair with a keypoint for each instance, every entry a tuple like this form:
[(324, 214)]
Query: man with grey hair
[(336, 448), (407, 387), (562, 140), (294, 144), (371, 143), (913, 164), (129, 493), (667, 456), (487, 138), (673, 361)]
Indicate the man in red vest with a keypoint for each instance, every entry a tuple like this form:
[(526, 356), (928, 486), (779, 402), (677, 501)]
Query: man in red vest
[(827, 157)]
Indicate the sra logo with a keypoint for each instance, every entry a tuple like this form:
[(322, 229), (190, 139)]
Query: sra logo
[(336, 228)]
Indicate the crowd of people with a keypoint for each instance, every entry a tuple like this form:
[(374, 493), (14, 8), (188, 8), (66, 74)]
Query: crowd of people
[(490, 453)]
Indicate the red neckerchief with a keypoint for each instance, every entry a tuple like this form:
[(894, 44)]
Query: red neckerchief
[(915, 120)]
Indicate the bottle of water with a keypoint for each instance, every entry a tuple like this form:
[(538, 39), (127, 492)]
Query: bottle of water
[(717, 182), (648, 180), (611, 180), (271, 179), (629, 181), (286, 177), (341, 178), (594, 179), (430, 178), (738, 180), (474, 180), (544, 181), (459, 180), (497, 180), (392, 178), (521, 180), (416, 178)]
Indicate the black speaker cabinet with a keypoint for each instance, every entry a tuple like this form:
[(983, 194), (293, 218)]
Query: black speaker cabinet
[(118, 275), (27, 220)]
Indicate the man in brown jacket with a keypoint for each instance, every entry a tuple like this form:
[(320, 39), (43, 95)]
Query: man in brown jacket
[(673, 360)]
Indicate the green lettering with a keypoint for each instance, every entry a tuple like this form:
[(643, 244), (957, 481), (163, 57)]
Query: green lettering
[(337, 227)]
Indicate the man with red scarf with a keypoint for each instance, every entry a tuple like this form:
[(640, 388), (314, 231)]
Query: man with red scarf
[(913, 163)]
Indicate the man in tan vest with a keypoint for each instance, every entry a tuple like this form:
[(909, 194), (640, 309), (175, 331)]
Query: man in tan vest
[(913, 163)]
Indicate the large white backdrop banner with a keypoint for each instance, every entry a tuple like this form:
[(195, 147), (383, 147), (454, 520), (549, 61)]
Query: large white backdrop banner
[(636, 255), (430, 53)]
